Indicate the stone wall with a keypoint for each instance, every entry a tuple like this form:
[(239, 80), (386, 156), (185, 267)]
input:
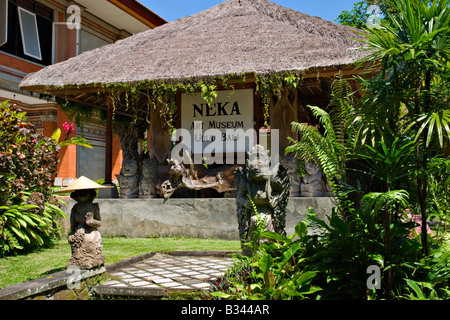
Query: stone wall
[(197, 218), (63, 285)]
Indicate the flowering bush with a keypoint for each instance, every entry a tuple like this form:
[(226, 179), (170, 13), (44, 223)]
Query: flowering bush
[(28, 160), (28, 163)]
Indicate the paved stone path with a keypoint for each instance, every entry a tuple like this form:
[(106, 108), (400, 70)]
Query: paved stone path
[(156, 275)]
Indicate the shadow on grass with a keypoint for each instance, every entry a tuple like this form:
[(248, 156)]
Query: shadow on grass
[(50, 272)]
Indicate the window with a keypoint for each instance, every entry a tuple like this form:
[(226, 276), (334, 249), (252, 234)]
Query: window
[(3, 22), (30, 34), (29, 31)]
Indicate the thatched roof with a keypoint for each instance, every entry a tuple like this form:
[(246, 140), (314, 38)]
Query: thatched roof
[(234, 37)]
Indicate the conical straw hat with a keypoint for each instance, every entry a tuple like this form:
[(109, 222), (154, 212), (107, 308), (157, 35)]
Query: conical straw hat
[(83, 183)]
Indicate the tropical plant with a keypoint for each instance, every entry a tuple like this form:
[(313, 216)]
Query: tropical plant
[(331, 146), (343, 250), (439, 191), (389, 163), (431, 278), (272, 273), (26, 226), (411, 50), (366, 13), (426, 291), (330, 149), (28, 161)]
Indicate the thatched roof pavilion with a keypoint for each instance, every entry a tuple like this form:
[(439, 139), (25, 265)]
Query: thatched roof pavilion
[(234, 37), (237, 37)]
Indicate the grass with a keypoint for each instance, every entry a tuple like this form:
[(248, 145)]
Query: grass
[(42, 263)]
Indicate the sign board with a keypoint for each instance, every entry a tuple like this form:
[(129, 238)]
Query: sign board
[(3, 22), (225, 125)]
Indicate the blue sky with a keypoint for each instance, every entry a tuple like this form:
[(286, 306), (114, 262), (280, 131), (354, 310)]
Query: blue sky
[(174, 9)]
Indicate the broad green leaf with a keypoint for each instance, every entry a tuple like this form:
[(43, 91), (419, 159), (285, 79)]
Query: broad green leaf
[(301, 229), (56, 135), (287, 255), (21, 234), (75, 141), (265, 262), (413, 285), (276, 236)]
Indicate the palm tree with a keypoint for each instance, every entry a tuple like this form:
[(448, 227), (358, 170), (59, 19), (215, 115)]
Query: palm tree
[(412, 50)]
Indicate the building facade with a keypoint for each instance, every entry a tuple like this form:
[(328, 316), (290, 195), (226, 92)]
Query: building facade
[(38, 33)]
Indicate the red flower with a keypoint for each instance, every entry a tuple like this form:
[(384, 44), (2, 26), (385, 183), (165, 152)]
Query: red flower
[(66, 127)]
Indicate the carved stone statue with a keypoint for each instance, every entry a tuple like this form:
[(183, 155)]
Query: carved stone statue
[(291, 165), (85, 239), (312, 183), (129, 180), (268, 188), (149, 179)]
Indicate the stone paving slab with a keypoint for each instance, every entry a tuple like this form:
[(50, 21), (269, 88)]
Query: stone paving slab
[(161, 272)]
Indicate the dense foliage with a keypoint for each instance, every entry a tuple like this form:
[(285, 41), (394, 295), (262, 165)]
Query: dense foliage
[(385, 156), (28, 162)]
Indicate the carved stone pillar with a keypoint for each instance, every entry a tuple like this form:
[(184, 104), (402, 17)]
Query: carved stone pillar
[(159, 142), (130, 174)]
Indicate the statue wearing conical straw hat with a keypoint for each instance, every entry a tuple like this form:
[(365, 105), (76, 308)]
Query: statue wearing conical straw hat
[(85, 239)]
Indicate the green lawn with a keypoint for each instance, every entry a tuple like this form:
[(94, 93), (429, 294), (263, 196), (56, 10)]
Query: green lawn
[(44, 262)]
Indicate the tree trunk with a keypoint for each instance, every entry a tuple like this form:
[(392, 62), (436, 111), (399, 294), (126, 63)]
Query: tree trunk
[(422, 181), (387, 245)]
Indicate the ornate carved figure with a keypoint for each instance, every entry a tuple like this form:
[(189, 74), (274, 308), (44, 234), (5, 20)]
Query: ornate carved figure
[(149, 179), (269, 190), (129, 180), (291, 165), (312, 185), (129, 135), (195, 177), (85, 239)]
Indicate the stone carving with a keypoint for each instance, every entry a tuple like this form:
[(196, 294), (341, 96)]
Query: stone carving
[(149, 179), (129, 134), (269, 190), (129, 179), (291, 165), (312, 183), (85, 240), (196, 177)]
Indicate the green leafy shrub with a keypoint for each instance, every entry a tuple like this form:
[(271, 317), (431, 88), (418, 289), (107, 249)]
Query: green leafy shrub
[(26, 227), (431, 281), (439, 191), (27, 158), (272, 273), (28, 162)]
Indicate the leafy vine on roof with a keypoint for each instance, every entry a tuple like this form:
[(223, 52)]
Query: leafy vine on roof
[(162, 95)]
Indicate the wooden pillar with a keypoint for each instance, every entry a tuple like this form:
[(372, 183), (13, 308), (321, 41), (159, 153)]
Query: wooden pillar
[(109, 193), (109, 141)]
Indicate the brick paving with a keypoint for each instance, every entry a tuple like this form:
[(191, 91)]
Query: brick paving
[(159, 273)]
